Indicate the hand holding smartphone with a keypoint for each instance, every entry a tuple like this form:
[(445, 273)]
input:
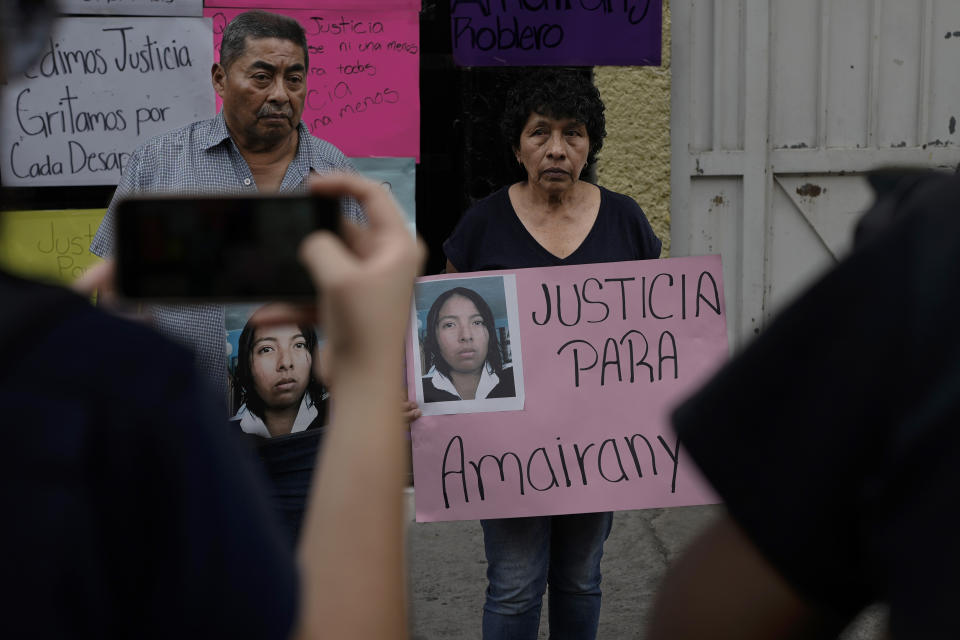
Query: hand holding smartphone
[(223, 248)]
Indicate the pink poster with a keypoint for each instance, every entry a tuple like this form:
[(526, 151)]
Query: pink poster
[(363, 90), (549, 391), (410, 5)]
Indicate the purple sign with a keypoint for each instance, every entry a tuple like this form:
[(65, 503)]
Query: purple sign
[(489, 33)]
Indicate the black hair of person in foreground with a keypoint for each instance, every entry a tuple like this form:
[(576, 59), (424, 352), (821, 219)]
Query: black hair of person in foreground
[(462, 351), (850, 401)]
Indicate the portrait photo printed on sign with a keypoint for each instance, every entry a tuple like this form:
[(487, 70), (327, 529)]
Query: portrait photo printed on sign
[(270, 371), (467, 354)]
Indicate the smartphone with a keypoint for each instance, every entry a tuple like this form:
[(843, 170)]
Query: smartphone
[(222, 248)]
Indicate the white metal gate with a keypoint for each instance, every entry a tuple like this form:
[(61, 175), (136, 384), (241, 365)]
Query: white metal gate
[(779, 107)]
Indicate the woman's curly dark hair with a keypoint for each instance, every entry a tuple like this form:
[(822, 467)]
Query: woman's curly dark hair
[(556, 93), (244, 375), (431, 347)]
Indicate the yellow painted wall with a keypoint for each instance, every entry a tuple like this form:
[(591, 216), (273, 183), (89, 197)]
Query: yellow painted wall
[(635, 159)]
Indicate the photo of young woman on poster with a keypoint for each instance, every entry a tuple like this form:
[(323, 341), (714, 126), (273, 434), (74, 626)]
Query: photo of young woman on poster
[(274, 377), (279, 405), (462, 351), (469, 350)]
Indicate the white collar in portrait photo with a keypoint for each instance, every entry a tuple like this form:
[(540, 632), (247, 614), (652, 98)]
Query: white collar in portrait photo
[(252, 424), (488, 380)]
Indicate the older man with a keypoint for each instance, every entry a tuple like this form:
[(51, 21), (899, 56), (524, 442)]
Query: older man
[(256, 143)]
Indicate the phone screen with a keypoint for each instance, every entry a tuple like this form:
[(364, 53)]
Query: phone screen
[(217, 248)]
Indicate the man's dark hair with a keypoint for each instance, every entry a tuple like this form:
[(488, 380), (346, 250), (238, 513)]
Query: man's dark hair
[(244, 375), (431, 347), (555, 93), (257, 25)]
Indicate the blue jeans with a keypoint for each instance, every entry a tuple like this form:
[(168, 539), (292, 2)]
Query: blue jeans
[(524, 555)]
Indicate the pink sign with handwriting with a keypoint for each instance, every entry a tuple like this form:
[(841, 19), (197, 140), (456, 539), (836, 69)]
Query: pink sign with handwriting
[(411, 5), (583, 365), (363, 91)]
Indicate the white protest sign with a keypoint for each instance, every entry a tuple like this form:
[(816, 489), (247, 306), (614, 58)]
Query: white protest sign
[(133, 7), (103, 86)]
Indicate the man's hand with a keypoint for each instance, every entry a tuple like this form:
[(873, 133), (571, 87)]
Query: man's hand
[(101, 280)]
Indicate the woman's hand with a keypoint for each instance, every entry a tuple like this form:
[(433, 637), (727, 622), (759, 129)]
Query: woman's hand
[(410, 411), (364, 280), (351, 545)]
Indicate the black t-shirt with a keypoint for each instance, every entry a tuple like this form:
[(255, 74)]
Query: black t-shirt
[(490, 236), (288, 463), (834, 438), (130, 510)]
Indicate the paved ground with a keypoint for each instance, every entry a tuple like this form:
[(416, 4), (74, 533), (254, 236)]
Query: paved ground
[(447, 574)]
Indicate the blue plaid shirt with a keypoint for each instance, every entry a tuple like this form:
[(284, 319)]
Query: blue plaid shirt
[(202, 158)]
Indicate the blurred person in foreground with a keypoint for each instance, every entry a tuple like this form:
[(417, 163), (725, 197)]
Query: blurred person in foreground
[(554, 125), (834, 440), (134, 514)]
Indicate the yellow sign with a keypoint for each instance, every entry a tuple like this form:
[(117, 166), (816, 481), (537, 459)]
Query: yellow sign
[(48, 245)]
